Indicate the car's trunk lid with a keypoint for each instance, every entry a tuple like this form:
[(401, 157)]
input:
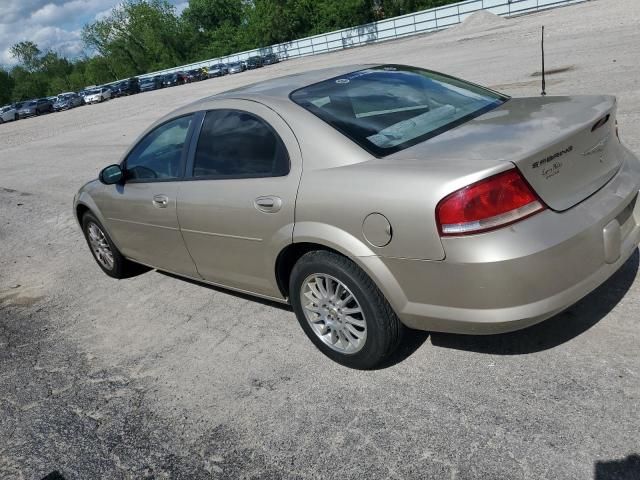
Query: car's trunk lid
[(565, 147)]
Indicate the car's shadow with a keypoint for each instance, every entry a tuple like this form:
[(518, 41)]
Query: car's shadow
[(548, 334), (558, 329)]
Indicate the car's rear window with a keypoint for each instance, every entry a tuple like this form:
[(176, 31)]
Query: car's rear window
[(389, 108)]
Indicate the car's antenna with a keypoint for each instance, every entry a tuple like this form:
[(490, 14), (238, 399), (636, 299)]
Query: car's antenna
[(544, 83)]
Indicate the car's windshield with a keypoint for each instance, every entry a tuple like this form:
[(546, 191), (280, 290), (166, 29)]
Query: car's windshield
[(92, 92), (31, 103), (62, 98), (389, 108), (4, 109)]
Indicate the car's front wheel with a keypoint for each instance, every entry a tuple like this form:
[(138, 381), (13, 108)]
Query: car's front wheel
[(109, 259), (342, 311)]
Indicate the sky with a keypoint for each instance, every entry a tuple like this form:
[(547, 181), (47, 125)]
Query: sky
[(52, 24)]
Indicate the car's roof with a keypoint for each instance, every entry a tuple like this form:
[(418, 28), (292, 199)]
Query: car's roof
[(282, 86)]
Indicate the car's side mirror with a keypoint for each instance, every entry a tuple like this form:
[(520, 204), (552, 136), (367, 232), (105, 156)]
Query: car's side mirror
[(111, 175)]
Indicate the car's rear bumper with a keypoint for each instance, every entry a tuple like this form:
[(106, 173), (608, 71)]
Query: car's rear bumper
[(517, 276)]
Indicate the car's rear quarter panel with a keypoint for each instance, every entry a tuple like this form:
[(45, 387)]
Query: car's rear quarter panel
[(508, 278)]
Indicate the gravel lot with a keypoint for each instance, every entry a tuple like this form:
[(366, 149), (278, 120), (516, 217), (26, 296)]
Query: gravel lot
[(156, 377)]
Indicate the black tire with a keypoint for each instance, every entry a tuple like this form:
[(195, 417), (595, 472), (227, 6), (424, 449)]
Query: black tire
[(122, 268), (15, 117), (383, 328)]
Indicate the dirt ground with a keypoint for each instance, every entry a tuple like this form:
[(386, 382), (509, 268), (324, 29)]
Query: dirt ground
[(156, 377)]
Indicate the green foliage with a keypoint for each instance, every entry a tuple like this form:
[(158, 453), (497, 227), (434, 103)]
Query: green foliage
[(393, 8), (28, 54), (141, 36), (6, 86), (28, 84), (209, 15)]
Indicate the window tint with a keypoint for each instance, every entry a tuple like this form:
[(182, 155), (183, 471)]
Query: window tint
[(238, 144), (158, 155), (389, 108)]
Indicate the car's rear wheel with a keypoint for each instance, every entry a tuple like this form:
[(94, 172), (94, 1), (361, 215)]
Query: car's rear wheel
[(107, 256), (342, 311)]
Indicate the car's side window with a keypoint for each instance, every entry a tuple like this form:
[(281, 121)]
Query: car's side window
[(158, 155), (238, 144)]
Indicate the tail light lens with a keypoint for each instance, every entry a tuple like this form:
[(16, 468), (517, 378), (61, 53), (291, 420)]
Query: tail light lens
[(491, 203)]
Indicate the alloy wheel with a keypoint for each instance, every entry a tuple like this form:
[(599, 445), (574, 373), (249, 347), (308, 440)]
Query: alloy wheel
[(334, 313), (100, 246)]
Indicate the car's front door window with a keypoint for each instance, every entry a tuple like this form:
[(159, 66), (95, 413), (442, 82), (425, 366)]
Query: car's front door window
[(158, 156)]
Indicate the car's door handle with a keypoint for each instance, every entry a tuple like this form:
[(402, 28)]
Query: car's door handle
[(268, 204), (160, 201)]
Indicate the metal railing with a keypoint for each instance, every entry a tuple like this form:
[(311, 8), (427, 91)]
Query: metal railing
[(425, 21)]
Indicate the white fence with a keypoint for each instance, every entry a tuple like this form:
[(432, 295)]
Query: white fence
[(411, 24)]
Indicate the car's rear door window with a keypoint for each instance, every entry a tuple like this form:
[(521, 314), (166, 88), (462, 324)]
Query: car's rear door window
[(238, 144)]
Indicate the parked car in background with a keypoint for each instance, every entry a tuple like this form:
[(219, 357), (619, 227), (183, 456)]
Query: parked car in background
[(97, 95), (66, 101), (115, 90), (197, 74), (525, 205), (270, 59), (218, 70), (8, 113), (32, 108), (254, 62), (236, 67), (130, 86), (174, 79), (150, 83)]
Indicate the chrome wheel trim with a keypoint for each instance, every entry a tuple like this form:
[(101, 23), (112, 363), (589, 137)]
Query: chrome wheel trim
[(100, 246), (333, 313)]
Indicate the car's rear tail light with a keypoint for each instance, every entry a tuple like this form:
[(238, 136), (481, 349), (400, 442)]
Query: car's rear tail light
[(491, 203)]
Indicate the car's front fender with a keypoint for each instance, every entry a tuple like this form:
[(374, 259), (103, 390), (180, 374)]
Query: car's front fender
[(83, 198)]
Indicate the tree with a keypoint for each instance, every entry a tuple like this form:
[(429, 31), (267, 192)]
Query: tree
[(28, 54), (141, 36), (6, 86), (28, 85), (208, 15), (393, 8)]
